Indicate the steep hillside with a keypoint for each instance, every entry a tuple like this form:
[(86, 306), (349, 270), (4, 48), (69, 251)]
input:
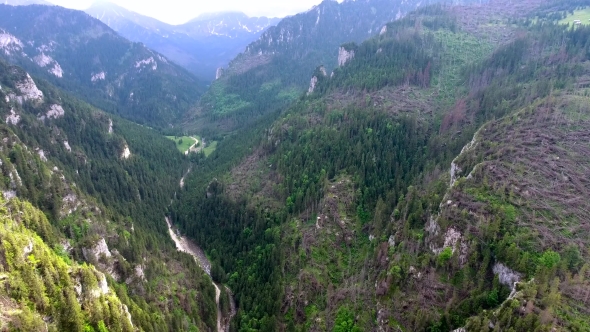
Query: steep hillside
[(104, 184), (274, 70), (434, 182), (201, 45), (84, 56)]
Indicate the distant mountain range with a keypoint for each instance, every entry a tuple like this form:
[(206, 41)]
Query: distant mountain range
[(25, 2), (200, 45)]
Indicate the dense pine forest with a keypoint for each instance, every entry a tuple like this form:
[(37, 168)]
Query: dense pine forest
[(432, 178)]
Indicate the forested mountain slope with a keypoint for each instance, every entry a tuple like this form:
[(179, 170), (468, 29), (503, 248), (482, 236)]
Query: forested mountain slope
[(82, 55), (201, 45), (99, 187), (275, 69), (34, 275), (436, 181)]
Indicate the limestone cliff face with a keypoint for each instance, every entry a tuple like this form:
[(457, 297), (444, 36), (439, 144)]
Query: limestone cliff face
[(312, 85), (219, 73), (28, 90), (320, 71), (344, 56)]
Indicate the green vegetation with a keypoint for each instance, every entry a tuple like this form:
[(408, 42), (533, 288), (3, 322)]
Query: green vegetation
[(36, 278)]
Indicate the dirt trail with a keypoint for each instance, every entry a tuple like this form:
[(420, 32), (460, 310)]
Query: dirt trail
[(192, 146), (185, 245)]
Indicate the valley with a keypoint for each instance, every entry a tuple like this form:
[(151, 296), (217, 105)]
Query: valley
[(368, 165)]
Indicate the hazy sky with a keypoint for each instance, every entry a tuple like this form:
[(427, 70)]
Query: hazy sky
[(180, 11)]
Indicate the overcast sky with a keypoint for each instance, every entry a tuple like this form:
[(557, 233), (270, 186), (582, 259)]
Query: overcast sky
[(181, 11)]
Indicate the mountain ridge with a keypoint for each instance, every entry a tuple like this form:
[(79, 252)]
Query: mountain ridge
[(85, 56)]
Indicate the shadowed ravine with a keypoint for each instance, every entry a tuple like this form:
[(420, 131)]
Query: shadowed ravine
[(185, 245)]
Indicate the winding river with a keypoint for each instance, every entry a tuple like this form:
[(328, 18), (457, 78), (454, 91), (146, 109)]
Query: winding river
[(185, 245)]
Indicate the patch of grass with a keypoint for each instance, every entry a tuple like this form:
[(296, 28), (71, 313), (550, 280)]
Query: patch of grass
[(582, 15), (183, 143), (210, 148)]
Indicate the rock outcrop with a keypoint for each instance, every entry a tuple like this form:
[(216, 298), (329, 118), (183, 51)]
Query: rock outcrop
[(320, 71), (312, 85), (10, 44), (505, 275), (13, 118), (43, 60), (126, 154), (344, 56), (98, 76), (219, 73), (146, 63), (55, 111), (28, 90), (100, 249)]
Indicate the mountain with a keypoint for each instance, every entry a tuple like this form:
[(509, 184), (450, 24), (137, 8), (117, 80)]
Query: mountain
[(227, 24), (274, 70), (201, 45), (435, 182), (82, 55), (85, 245)]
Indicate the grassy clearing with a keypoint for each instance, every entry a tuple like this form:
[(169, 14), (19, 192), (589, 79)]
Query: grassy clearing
[(582, 15), (183, 143), (210, 148)]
